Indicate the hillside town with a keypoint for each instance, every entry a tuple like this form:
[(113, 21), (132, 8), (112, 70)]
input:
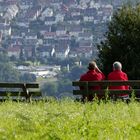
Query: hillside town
[(47, 29)]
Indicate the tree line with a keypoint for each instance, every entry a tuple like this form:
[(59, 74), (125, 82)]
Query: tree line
[(122, 42)]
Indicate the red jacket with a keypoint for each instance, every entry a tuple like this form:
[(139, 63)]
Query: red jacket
[(118, 75), (92, 75)]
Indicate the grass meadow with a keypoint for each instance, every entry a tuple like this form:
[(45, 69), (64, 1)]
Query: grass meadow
[(69, 120)]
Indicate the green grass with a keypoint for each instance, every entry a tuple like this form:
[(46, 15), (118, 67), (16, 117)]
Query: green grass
[(69, 120)]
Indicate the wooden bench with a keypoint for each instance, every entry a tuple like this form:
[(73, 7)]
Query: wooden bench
[(25, 91), (134, 84)]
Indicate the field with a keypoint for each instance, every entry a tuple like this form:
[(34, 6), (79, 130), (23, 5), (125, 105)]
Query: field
[(69, 120)]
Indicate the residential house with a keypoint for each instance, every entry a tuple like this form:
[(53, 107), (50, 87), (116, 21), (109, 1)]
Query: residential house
[(23, 22), (89, 14), (43, 3), (64, 9), (14, 51), (73, 54), (73, 19), (75, 11), (64, 37), (2, 49), (49, 35), (48, 12), (11, 12), (0, 37), (74, 30), (1, 13), (44, 29), (59, 17), (16, 35), (85, 43), (62, 52), (56, 3), (30, 41), (15, 42), (63, 40), (70, 3), (33, 13), (46, 51), (89, 11), (107, 9), (50, 20), (49, 41), (85, 36), (3, 8), (30, 35), (107, 12), (28, 50), (84, 52), (4, 21), (98, 18), (25, 4), (61, 30), (5, 29), (88, 18), (11, 2)]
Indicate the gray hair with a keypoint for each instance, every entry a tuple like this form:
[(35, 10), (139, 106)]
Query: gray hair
[(117, 65)]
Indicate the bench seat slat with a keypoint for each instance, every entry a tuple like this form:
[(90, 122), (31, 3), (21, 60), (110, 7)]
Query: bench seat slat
[(16, 93), (102, 92), (11, 85), (18, 85), (107, 83), (32, 85), (11, 93)]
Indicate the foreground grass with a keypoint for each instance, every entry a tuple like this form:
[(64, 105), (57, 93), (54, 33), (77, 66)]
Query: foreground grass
[(69, 120)]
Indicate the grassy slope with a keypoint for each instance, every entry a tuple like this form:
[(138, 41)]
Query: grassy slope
[(68, 120)]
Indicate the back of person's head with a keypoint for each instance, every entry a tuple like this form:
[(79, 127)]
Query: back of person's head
[(117, 65), (92, 65)]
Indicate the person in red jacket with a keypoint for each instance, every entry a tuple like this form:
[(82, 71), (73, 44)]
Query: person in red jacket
[(118, 74), (93, 73)]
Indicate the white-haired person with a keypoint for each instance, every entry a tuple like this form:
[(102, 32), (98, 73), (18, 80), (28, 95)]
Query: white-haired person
[(118, 74)]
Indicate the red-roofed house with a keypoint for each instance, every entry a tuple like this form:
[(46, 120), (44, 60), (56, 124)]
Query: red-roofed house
[(84, 52), (14, 51), (62, 51)]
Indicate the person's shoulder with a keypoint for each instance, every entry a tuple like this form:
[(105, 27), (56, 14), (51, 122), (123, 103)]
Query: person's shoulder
[(111, 73), (124, 73), (83, 75)]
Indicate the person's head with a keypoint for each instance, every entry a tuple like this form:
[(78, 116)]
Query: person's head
[(117, 65), (92, 65)]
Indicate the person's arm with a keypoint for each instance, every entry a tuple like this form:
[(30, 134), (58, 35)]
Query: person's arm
[(99, 71), (126, 79)]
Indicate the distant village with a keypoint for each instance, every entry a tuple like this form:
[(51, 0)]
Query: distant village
[(47, 29)]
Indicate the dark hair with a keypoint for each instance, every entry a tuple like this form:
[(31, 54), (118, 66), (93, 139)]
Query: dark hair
[(91, 65)]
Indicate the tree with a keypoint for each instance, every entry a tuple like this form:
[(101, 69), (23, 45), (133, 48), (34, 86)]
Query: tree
[(122, 42), (50, 88), (3, 57), (8, 73), (64, 85), (28, 77), (76, 72), (22, 54)]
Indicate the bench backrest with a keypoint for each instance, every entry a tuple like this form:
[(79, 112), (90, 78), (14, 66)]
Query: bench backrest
[(134, 84), (20, 89)]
